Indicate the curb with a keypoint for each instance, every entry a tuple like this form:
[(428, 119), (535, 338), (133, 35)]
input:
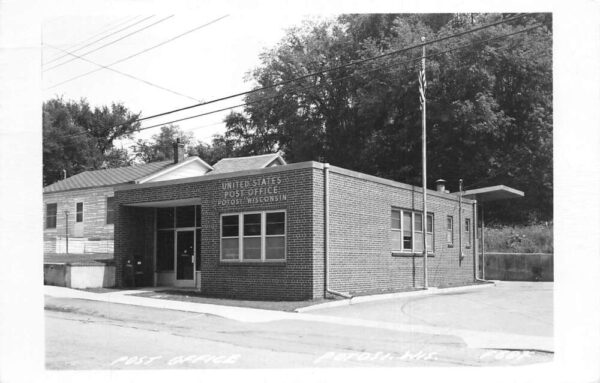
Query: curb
[(380, 297)]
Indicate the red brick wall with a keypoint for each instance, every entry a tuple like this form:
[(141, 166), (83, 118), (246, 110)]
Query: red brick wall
[(291, 280), (360, 250), (360, 253)]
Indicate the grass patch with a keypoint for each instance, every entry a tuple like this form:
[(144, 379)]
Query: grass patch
[(520, 239)]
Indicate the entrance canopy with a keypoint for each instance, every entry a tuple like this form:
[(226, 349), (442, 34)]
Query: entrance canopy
[(166, 203), (493, 193)]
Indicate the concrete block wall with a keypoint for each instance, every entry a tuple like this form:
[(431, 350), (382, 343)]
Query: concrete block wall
[(94, 215), (519, 266), (290, 280), (361, 259)]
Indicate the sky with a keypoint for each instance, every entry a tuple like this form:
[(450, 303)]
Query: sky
[(211, 62)]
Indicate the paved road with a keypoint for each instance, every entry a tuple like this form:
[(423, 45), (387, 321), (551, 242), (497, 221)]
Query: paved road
[(82, 334), (523, 308)]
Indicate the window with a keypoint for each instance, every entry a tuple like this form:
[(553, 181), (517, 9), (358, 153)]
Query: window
[(110, 210), (168, 220), (396, 235), (407, 231), (165, 250), (51, 216), (450, 230), (185, 216), (275, 236), (165, 218), (254, 237), (468, 231), (79, 212), (230, 237)]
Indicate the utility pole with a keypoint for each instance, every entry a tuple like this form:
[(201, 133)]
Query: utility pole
[(422, 91)]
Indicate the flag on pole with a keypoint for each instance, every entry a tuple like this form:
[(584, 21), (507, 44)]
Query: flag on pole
[(422, 86)]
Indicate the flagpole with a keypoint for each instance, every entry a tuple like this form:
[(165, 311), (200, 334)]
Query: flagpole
[(424, 161)]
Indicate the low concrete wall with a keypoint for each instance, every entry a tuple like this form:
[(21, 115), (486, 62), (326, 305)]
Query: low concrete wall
[(519, 266), (92, 276), (55, 274), (79, 276)]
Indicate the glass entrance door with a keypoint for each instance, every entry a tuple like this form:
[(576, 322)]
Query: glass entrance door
[(185, 258)]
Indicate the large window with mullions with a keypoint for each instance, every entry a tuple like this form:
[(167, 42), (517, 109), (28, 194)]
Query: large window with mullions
[(407, 229), (253, 236)]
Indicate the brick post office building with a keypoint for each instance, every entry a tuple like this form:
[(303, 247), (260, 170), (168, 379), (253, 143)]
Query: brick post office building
[(291, 232)]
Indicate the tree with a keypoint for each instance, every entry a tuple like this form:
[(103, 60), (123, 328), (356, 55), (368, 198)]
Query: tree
[(160, 146), (219, 148), (489, 103), (77, 137)]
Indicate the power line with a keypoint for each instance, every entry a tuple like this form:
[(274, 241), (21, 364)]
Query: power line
[(110, 43), (112, 26), (356, 62), (125, 74), (102, 38), (140, 52), (337, 79)]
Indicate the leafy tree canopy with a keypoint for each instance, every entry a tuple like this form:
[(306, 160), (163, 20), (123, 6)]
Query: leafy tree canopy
[(160, 146), (489, 103), (78, 137)]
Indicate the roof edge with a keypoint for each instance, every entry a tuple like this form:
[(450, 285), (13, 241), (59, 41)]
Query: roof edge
[(172, 168)]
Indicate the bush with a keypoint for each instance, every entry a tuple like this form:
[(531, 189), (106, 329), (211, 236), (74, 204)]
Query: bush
[(520, 239)]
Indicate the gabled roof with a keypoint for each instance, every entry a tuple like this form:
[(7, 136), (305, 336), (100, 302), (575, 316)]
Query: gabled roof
[(227, 165), (175, 171), (115, 176)]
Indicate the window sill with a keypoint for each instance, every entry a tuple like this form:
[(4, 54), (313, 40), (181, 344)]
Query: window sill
[(253, 263), (411, 254)]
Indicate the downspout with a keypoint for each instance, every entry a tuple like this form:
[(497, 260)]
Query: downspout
[(482, 245), (460, 248), (326, 239)]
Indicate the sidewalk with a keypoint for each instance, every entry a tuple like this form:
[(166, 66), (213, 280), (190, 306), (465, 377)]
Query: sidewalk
[(473, 339)]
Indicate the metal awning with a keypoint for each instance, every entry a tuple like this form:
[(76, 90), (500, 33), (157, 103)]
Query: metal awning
[(493, 193)]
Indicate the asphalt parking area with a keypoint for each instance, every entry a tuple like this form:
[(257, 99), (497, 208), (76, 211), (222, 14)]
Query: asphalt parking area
[(520, 308)]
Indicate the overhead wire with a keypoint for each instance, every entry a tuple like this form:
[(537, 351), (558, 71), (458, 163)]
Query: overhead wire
[(140, 52), (126, 74), (102, 38), (337, 79), (415, 59), (110, 43), (352, 63), (113, 25)]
